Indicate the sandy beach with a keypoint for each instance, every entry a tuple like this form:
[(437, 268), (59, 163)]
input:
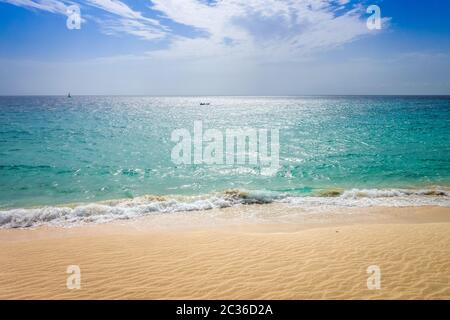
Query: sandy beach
[(321, 256)]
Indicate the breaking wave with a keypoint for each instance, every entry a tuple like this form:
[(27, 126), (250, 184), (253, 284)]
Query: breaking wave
[(106, 211)]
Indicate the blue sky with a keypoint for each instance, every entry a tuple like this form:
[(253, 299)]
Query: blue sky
[(252, 47)]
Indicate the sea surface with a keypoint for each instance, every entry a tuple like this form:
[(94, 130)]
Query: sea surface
[(99, 158)]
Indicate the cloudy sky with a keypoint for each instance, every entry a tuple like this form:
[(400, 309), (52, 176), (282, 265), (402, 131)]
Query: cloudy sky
[(224, 47)]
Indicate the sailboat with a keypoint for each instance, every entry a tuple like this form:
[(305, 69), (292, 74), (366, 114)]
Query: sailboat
[(69, 96)]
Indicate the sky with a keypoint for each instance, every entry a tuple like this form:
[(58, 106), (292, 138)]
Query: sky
[(224, 47)]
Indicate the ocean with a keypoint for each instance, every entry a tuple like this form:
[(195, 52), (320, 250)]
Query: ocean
[(100, 158)]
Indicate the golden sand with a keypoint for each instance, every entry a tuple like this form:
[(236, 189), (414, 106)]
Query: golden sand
[(322, 256)]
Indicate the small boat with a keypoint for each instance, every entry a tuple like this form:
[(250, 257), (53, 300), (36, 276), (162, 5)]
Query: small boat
[(69, 96), (204, 103)]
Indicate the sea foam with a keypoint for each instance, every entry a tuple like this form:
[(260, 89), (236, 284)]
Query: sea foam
[(106, 211)]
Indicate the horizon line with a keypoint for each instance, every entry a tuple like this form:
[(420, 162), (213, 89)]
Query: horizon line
[(227, 95)]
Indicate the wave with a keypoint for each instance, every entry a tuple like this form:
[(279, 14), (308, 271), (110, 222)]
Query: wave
[(121, 209), (374, 197), (382, 193), (106, 211)]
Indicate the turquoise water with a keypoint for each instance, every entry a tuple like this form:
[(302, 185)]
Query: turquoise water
[(56, 150)]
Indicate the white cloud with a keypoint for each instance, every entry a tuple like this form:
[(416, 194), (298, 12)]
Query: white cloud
[(256, 29), (53, 6), (120, 9), (133, 27), (266, 29), (129, 21)]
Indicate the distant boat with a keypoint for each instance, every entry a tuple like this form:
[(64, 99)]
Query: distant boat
[(204, 103), (69, 96)]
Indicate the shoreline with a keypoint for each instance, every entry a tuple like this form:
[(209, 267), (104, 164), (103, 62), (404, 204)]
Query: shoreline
[(225, 256), (74, 213)]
